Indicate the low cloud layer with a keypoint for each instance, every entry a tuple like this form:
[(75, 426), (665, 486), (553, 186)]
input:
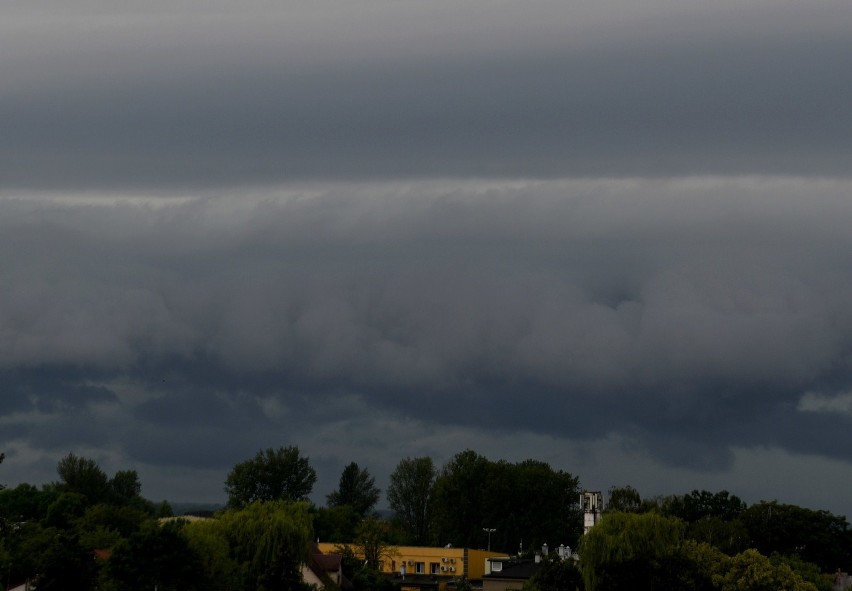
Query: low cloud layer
[(612, 235), (688, 317)]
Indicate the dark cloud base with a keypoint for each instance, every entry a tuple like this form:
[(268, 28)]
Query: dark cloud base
[(687, 317)]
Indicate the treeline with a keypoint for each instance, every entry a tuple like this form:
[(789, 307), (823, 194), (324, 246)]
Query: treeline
[(91, 531), (714, 542)]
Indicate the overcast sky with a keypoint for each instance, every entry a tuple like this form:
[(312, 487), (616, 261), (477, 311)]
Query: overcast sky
[(612, 235)]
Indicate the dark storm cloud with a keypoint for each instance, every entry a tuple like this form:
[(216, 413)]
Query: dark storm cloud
[(689, 317), (211, 242), (173, 96)]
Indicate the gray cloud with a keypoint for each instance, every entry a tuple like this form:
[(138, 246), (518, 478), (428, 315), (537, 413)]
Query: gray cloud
[(615, 231), (688, 316), (171, 97)]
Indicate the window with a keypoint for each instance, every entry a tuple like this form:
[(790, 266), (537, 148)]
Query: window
[(420, 568), (434, 568)]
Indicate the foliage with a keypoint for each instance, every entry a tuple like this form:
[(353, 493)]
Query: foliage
[(64, 565), (357, 489), (410, 496), (26, 544), (463, 584), (752, 571), (124, 521), (623, 545), (702, 504), (207, 539), (336, 524), (461, 492), (815, 536), (371, 542), (555, 574), (65, 509), (730, 537), (125, 485), (369, 579), (270, 540), (271, 475), (25, 502), (472, 492), (809, 571), (83, 476), (625, 499), (155, 557)]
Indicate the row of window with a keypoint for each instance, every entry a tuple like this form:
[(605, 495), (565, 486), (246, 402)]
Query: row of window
[(419, 568)]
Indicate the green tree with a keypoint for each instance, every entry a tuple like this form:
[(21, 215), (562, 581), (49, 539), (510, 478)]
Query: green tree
[(336, 524), (815, 536), (270, 540), (809, 571), (125, 485), (2, 457), (555, 574), (209, 541), (155, 557), (472, 492), (625, 548), (461, 496), (25, 502), (83, 476), (410, 496), (702, 504), (272, 474), (356, 489), (371, 542), (752, 571), (625, 499), (64, 565), (730, 537), (68, 507), (124, 521), (369, 579)]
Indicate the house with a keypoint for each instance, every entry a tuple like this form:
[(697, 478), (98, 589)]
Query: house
[(324, 568), (507, 573), (424, 567)]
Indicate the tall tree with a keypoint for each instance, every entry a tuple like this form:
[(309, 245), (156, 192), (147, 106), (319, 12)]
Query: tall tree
[(155, 557), (270, 540), (371, 543), (527, 501), (624, 498), (816, 536), (2, 457), (625, 549), (83, 476), (753, 571), (410, 496), (272, 474), (703, 504), (125, 485), (356, 489)]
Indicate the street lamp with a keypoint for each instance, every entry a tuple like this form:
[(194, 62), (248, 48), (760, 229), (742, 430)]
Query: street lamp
[(488, 530)]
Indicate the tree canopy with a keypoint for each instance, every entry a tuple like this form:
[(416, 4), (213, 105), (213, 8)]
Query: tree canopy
[(410, 496), (357, 489), (83, 476), (271, 475), (624, 498), (527, 501)]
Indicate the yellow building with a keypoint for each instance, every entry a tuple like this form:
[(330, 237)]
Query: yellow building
[(424, 563)]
